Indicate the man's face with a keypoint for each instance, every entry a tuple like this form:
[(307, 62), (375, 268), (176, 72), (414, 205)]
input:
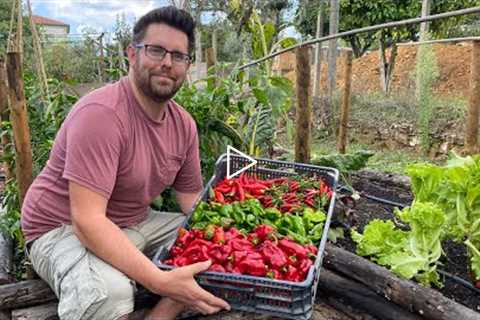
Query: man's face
[(160, 79)]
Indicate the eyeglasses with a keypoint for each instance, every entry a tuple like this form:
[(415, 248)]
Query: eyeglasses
[(156, 52)]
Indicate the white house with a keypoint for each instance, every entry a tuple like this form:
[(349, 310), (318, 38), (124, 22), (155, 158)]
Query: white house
[(51, 29)]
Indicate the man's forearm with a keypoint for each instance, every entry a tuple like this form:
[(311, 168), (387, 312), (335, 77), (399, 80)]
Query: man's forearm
[(109, 243), (186, 200)]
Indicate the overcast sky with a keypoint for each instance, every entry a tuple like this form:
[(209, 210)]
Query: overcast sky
[(97, 14)]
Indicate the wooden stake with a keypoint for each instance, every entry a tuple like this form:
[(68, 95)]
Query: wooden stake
[(471, 130), (211, 60), (37, 48), (303, 110), (19, 117), (342, 129)]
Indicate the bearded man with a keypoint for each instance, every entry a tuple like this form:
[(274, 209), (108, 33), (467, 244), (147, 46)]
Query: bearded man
[(86, 218)]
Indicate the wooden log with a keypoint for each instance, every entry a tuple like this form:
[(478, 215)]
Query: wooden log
[(342, 128), (25, 294), (427, 302), (361, 297), (471, 130), (19, 117), (41, 312), (304, 110)]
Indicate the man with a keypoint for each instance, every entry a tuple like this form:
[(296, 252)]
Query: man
[(86, 218)]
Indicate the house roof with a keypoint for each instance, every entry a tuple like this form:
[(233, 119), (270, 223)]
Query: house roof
[(48, 21)]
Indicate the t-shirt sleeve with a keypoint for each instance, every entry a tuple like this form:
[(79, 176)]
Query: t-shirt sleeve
[(93, 149), (189, 177)]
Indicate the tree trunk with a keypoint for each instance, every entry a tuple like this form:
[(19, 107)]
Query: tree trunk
[(471, 130), (427, 302), (342, 133), (332, 60), (386, 68), (317, 66), (19, 117), (360, 296), (303, 112)]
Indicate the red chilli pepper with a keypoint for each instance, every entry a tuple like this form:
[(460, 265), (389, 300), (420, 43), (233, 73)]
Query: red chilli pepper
[(219, 197), (219, 236), (216, 268), (477, 284), (292, 274), (304, 266), (232, 233), (273, 255), (254, 267), (264, 231), (292, 248), (240, 244), (275, 274), (241, 192)]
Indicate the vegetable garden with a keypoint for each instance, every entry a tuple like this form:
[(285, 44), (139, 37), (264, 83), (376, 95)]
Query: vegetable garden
[(300, 235)]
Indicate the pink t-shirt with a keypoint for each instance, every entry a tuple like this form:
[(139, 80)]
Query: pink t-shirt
[(111, 146)]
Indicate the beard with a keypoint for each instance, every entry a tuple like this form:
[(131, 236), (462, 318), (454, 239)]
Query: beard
[(159, 90)]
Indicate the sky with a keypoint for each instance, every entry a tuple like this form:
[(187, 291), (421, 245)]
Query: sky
[(98, 15)]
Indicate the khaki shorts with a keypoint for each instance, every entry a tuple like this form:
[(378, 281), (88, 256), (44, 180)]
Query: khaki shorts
[(86, 286)]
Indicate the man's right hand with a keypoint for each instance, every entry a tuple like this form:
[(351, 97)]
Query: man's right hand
[(181, 286)]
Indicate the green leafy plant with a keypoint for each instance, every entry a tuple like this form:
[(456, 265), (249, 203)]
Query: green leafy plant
[(409, 254), (44, 122), (427, 72)]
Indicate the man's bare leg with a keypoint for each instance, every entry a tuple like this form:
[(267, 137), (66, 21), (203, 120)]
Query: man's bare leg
[(165, 309)]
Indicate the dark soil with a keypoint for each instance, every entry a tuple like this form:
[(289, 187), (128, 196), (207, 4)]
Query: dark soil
[(364, 210)]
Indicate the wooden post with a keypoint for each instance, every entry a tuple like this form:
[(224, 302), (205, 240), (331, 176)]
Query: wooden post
[(37, 48), (303, 110), (342, 128), (211, 61), (19, 117), (471, 141)]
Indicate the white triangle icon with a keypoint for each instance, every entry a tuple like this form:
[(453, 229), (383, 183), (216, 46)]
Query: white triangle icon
[(231, 150)]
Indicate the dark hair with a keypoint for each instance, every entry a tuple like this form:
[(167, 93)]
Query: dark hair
[(172, 16)]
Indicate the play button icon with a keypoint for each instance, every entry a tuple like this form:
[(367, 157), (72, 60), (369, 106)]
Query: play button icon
[(232, 151)]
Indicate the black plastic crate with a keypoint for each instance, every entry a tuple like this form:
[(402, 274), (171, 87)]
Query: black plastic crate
[(281, 298)]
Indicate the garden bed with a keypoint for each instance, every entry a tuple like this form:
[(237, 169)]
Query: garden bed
[(395, 188)]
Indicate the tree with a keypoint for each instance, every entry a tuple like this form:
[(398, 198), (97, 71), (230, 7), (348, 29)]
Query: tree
[(360, 13)]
